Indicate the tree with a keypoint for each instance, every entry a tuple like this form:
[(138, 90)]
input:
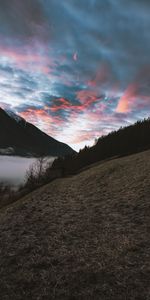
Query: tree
[(35, 173)]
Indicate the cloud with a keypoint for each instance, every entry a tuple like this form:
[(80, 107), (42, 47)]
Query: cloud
[(22, 19), (137, 95), (77, 69), (126, 102)]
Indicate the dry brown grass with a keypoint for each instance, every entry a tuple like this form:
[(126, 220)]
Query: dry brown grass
[(83, 237)]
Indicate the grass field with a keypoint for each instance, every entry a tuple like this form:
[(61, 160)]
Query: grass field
[(82, 237)]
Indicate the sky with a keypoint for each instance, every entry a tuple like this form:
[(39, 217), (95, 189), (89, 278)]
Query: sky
[(77, 69)]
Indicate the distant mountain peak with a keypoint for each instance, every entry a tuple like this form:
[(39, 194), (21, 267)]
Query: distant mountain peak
[(18, 137)]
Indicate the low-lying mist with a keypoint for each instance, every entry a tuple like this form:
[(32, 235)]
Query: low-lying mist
[(13, 168)]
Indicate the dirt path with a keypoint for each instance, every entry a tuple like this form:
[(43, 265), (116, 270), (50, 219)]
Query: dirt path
[(83, 237)]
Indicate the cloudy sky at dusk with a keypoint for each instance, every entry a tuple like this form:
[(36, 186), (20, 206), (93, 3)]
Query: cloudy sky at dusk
[(77, 69)]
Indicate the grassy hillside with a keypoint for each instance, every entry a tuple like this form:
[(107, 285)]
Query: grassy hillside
[(81, 237)]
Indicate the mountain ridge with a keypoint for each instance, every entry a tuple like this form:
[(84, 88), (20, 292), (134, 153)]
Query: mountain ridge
[(24, 139), (126, 140)]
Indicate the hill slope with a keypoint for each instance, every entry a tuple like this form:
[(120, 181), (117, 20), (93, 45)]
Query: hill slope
[(19, 137), (128, 140), (82, 237)]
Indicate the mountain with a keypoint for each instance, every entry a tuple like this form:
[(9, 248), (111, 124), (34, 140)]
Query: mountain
[(18, 137), (82, 237)]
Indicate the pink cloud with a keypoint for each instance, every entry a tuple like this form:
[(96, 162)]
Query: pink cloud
[(87, 97), (75, 56), (28, 58), (101, 77), (61, 104), (40, 116), (126, 102), (136, 96)]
